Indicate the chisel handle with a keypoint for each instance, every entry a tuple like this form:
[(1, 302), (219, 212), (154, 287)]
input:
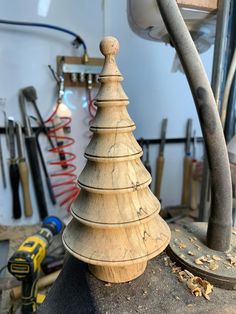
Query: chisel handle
[(194, 188), (186, 181), (31, 146), (159, 172), (14, 181), (24, 178)]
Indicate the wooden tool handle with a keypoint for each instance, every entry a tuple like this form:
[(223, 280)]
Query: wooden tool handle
[(31, 146), (14, 180), (159, 171), (186, 181), (24, 177), (194, 187)]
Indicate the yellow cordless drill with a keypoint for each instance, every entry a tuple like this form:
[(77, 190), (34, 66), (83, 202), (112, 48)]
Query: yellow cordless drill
[(25, 263)]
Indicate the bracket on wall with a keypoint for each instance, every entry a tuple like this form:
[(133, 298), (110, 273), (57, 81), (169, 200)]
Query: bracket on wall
[(78, 73)]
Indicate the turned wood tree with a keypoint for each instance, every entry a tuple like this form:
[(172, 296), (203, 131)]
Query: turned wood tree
[(116, 227)]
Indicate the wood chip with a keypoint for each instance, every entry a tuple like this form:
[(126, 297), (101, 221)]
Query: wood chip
[(182, 246), (199, 287), (216, 258), (199, 260), (183, 276), (128, 298), (232, 260), (234, 232), (191, 253), (197, 246), (176, 269), (189, 273), (108, 284), (213, 265)]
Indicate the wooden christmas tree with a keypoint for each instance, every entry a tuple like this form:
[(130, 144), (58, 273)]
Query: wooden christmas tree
[(116, 227)]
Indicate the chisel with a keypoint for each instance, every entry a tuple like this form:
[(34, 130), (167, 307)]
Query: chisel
[(31, 147), (24, 172), (160, 159), (13, 170), (187, 166), (194, 182), (4, 181)]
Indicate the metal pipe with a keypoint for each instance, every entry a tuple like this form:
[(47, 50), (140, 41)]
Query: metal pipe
[(220, 221)]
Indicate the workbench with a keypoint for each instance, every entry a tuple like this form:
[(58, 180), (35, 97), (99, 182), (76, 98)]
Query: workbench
[(158, 290)]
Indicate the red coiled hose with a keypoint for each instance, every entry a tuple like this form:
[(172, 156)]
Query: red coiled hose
[(67, 188)]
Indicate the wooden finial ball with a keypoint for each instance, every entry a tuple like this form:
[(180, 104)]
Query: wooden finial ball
[(109, 46)]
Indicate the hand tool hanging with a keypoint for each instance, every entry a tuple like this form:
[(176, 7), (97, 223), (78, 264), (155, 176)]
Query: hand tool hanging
[(4, 181), (160, 159), (47, 177), (187, 166), (194, 181), (31, 96), (13, 169), (147, 162), (24, 172), (31, 146)]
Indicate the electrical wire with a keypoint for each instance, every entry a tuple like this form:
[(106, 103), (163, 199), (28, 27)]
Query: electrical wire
[(77, 41)]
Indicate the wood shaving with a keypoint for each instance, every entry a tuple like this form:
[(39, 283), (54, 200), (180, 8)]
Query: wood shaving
[(199, 287), (182, 246), (234, 232), (176, 269), (232, 260), (191, 253), (183, 276), (216, 258), (191, 239), (108, 284), (199, 260), (197, 246), (177, 230), (213, 265), (189, 273)]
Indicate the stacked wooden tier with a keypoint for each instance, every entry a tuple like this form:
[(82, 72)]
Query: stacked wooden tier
[(116, 227)]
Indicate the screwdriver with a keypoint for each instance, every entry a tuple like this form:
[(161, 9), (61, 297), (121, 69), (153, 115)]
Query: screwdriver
[(13, 170), (187, 166), (31, 146), (160, 159), (24, 172)]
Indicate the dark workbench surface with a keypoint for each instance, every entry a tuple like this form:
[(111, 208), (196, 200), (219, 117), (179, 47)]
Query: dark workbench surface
[(156, 291)]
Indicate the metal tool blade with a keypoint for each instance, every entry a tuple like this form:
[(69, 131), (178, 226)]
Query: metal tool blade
[(194, 144), (163, 136), (19, 140), (25, 117), (188, 137), (11, 137)]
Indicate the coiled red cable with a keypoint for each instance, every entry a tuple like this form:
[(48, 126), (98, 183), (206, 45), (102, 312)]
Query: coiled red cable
[(67, 188)]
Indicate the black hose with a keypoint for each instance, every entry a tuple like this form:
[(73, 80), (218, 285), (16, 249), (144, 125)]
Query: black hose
[(220, 221)]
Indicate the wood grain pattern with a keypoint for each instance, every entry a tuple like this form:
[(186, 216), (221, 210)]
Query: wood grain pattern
[(115, 210), (116, 227)]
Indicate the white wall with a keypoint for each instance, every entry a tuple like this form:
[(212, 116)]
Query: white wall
[(154, 92)]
